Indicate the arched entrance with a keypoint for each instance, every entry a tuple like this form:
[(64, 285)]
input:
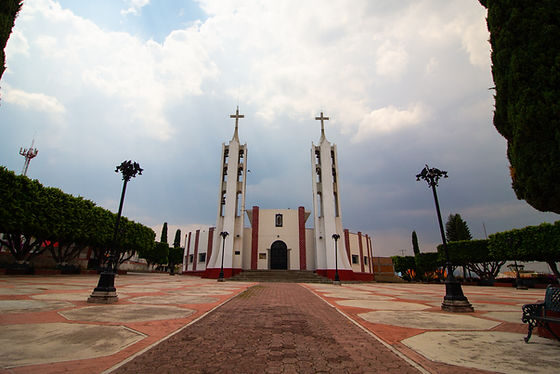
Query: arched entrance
[(279, 255)]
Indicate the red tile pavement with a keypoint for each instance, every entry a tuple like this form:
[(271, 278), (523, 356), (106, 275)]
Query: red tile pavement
[(132, 285), (271, 328)]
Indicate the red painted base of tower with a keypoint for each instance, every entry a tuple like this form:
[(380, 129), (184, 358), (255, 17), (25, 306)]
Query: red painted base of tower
[(215, 273), (345, 275)]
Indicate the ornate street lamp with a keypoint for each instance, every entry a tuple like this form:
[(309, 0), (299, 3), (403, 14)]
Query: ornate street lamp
[(223, 234), (454, 300), (336, 278), (105, 292)]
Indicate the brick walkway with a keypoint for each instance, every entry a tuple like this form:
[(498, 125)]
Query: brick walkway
[(271, 328)]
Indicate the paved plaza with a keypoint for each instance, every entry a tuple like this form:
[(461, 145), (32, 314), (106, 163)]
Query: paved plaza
[(183, 324)]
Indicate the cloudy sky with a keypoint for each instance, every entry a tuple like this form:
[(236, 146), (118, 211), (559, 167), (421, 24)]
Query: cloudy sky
[(405, 83)]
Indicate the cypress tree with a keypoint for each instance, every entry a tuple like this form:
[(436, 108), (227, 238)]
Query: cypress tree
[(525, 41), (415, 246), (163, 238), (177, 240)]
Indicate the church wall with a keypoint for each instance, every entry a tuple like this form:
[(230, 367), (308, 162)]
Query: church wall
[(310, 249), (269, 232), (246, 251), (360, 258), (196, 250)]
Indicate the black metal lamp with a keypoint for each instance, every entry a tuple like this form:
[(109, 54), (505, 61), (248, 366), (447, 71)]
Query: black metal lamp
[(223, 234), (336, 278), (105, 292), (454, 300)]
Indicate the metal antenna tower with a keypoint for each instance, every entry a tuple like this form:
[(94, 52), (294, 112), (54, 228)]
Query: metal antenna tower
[(28, 153)]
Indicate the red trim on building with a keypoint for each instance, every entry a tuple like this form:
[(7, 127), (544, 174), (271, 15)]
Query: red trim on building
[(210, 243), (188, 251), (345, 275), (368, 244), (254, 238), (195, 257), (302, 247), (363, 277), (214, 273), (347, 244), (361, 251)]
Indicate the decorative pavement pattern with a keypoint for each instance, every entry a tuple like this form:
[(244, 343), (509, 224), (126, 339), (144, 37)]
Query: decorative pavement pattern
[(271, 328), (408, 317), (48, 327)]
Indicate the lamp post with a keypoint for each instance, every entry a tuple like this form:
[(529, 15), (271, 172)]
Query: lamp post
[(454, 300), (223, 234), (336, 278), (105, 292)]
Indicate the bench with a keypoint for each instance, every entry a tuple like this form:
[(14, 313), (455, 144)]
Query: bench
[(536, 314)]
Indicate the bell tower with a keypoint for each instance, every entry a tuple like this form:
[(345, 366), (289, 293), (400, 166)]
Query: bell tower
[(231, 207), (326, 208)]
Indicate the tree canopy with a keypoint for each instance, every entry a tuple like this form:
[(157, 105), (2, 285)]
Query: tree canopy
[(34, 218), (532, 243), (9, 10), (525, 41), (456, 229)]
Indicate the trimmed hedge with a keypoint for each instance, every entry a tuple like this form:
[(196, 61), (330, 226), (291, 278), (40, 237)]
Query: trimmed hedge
[(532, 243)]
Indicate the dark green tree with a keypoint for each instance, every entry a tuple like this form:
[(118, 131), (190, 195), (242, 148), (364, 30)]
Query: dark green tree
[(67, 225), (134, 238), (176, 253), (415, 247), (22, 218), (34, 218), (532, 243), (9, 10), (456, 229), (163, 238), (525, 43), (177, 240), (475, 256)]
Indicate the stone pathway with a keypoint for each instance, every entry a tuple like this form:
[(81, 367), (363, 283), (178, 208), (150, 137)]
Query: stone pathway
[(271, 328)]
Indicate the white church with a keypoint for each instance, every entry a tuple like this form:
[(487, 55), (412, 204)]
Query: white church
[(279, 238)]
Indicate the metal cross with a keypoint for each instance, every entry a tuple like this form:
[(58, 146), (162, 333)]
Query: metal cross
[(322, 118), (236, 116)]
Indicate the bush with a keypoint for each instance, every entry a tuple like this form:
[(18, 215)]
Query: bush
[(405, 265)]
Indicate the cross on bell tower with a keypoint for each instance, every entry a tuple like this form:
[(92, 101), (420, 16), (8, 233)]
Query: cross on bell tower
[(236, 116), (322, 118)]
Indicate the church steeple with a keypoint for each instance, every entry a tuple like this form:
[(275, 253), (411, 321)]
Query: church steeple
[(231, 206), (236, 116), (326, 205)]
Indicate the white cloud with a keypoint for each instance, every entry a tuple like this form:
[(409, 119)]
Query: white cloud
[(479, 53), (134, 6), (17, 44), (389, 119), (140, 77), (33, 101), (391, 60)]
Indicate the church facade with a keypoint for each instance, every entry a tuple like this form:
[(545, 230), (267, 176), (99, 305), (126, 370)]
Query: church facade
[(278, 238)]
